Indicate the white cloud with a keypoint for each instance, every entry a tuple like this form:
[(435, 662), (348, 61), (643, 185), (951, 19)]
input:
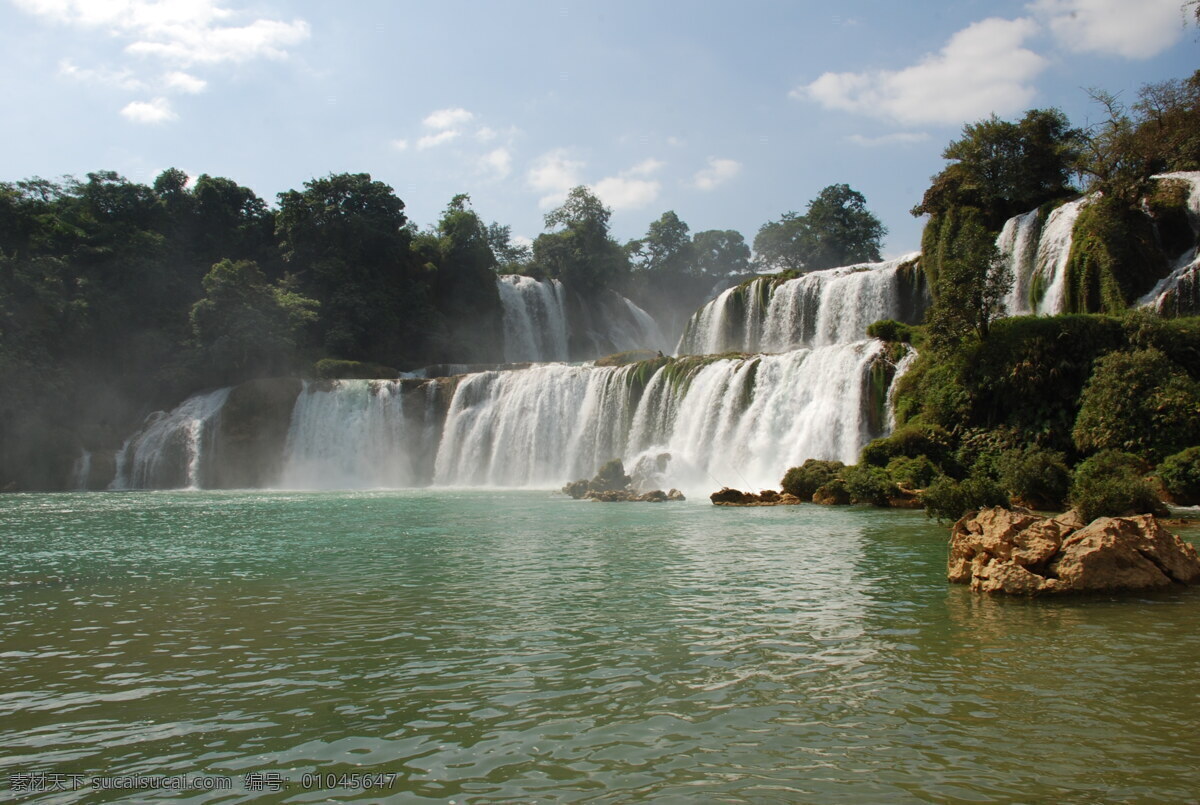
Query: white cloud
[(718, 172), (981, 70), (553, 174), (432, 140), (889, 139), (485, 134), (149, 112), (676, 142), (183, 82), (447, 118), (118, 79), (179, 31), (624, 192), (400, 145), (1135, 30), (497, 163), (647, 167), (521, 240)]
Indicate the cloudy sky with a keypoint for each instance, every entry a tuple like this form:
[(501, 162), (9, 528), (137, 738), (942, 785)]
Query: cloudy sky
[(728, 113)]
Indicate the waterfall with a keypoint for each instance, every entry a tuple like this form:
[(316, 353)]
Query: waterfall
[(820, 308), (1053, 252), (700, 420), (535, 319), (170, 449), (1179, 291), (538, 326), (1018, 246)]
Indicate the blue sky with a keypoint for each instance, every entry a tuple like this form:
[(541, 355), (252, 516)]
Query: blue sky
[(728, 113)]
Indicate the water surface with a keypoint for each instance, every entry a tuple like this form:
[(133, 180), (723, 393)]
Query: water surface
[(503, 645)]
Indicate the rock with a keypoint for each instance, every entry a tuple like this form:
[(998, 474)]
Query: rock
[(675, 494), (729, 496), (576, 489), (626, 495), (768, 497), (1001, 551)]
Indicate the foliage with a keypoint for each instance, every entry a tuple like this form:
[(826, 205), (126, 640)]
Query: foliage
[(917, 472), (948, 500), (245, 327), (1035, 476), (719, 253), (836, 230), (1138, 401), (1180, 476), (909, 441), (804, 480), (968, 279), (1115, 257), (1112, 484), (890, 330), (1003, 168), (581, 252), (869, 484)]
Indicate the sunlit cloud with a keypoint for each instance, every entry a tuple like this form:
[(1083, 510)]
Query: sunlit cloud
[(497, 163), (1135, 30), (183, 82), (552, 175), (433, 140), (984, 68), (629, 189), (150, 112), (447, 118), (717, 173)]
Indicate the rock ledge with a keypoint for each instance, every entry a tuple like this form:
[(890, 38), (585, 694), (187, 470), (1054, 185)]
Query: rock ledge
[(1001, 551)]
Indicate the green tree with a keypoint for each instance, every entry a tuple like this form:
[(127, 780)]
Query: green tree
[(971, 284), (581, 252), (666, 247), (511, 256), (1003, 168), (720, 252), (836, 230), (245, 327)]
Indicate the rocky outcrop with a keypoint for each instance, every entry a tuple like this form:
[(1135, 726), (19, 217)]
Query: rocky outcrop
[(768, 497), (612, 485), (1002, 551), (250, 434)]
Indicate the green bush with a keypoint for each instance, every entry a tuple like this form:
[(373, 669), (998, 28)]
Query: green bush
[(916, 472), (910, 441), (1180, 475), (948, 500), (868, 484), (890, 330), (804, 480), (1037, 477), (1138, 401), (833, 493), (1112, 484)]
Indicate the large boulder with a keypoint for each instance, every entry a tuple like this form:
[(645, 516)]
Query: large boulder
[(1001, 551)]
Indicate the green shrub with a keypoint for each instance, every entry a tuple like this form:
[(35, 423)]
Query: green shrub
[(833, 493), (1180, 475), (1037, 477), (1112, 484), (890, 330), (868, 484), (917, 472), (1138, 401), (804, 480), (910, 441), (948, 500)]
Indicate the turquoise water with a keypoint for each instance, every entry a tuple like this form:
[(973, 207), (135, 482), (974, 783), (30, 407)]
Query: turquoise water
[(489, 646)]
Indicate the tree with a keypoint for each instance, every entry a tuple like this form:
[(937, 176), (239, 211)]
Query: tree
[(971, 284), (245, 327), (720, 252), (836, 230), (581, 253), (1004, 168), (511, 256), (666, 248)]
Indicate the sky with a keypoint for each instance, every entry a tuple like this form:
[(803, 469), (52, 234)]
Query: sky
[(728, 113)]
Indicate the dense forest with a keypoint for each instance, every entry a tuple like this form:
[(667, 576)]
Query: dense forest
[(118, 299)]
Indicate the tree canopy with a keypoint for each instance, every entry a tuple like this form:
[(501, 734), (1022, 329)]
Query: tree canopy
[(837, 229)]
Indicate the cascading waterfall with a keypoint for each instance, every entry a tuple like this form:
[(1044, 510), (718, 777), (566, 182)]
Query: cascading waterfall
[(171, 448), (1018, 246), (823, 307), (535, 319), (1179, 291)]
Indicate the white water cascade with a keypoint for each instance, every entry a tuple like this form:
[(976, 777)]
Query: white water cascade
[(823, 307), (1184, 279), (171, 448), (1037, 254), (535, 319)]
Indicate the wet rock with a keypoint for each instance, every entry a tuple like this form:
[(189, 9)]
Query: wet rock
[(1001, 551), (727, 496)]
